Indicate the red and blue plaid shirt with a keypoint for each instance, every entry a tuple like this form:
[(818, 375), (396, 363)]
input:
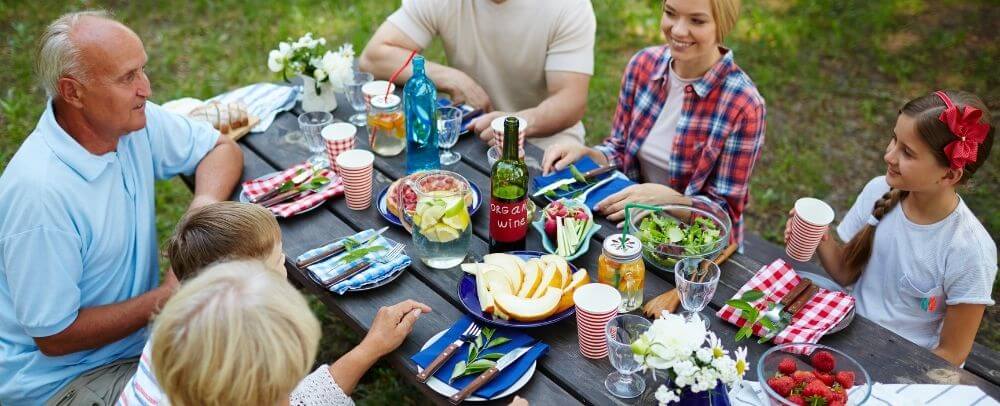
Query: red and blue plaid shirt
[(719, 133)]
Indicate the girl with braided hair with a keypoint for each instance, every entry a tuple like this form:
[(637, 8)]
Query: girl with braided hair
[(920, 262)]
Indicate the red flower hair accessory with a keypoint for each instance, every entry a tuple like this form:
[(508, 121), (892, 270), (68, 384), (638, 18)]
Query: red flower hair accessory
[(964, 123)]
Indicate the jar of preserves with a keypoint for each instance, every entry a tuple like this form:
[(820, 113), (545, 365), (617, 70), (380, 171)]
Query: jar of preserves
[(621, 266), (386, 125)]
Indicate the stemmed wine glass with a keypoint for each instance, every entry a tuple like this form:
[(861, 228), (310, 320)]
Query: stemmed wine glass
[(449, 119), (356, 96), (621, 331), (696, 279)]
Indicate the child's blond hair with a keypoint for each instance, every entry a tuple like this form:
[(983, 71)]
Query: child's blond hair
[(219, 232), (237, 334)]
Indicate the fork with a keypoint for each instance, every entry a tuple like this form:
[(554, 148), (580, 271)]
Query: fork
[(468, 336), (582, 197), (394, 253)]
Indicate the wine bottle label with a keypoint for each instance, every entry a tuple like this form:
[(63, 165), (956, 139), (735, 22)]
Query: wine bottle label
[(508, 221)]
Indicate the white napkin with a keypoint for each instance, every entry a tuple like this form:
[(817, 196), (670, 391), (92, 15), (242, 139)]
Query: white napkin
[(750, 394)]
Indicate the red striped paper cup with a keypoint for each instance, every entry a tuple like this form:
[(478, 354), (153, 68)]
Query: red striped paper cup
[(809, 223), (339, 137), (497, 126), (596, 305), (356, 167)]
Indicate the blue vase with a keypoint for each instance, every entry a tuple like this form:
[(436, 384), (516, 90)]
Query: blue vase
[(719, 396), (419, 98)]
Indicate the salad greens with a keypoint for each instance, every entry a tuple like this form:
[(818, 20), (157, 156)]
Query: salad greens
[(698, 238)]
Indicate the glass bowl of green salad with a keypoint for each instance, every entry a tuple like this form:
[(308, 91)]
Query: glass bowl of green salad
[(678, 232)]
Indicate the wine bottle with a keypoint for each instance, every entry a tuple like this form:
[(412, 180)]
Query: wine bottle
[(509, 194), (419, 98)]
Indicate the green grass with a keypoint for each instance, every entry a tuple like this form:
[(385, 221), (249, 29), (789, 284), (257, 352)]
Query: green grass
[(834, 74)]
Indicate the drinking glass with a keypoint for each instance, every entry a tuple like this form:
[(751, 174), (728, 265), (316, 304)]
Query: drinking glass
[(357, 97), (696, 281), (449, 119), (621, 332), (312, 124)]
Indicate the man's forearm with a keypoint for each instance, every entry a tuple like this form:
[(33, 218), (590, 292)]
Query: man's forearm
[(383, 60), (217, 173), (556, 113), (98, 326)]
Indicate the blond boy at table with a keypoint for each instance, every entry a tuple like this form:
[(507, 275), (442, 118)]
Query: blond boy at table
[(231, 231), (525, 57)]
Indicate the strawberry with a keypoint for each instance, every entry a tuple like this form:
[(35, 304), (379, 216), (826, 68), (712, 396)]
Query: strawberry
[(827, 378), (835, 403), (824, 361), (797, 399), (816, 388), (781, 384), (845, 379), (803, 377), (837, 395), (787, 366)]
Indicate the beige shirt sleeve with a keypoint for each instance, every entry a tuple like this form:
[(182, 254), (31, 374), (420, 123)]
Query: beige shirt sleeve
[(571, 47), (419, 19)]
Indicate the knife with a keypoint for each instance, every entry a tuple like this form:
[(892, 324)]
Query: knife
[(504, 362), (794, 301), (335, 249), (569, 181), (305, 175)]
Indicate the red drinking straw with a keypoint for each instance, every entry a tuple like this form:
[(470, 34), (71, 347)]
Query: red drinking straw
[(392, 79)]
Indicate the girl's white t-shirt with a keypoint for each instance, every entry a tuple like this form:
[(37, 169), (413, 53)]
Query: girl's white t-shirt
[(916, 271), (654, 154)]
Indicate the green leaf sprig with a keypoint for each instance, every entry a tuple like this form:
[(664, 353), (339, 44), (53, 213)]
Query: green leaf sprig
[(477, 360), (752, 316), (314, 183)]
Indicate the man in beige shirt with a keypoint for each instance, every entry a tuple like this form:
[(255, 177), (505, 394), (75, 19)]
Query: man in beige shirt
[(525, 57)]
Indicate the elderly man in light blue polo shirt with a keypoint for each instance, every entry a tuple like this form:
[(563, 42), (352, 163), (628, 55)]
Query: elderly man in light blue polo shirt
[(78, 248)]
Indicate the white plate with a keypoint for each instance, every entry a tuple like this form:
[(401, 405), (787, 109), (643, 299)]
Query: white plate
[(445, 390), (829, 284), (246, 199)]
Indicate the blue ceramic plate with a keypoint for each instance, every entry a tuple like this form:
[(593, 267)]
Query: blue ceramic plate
[(383, 204), (470, 300), (550, 247)]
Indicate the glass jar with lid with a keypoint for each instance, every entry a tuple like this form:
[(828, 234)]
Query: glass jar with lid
[(386, 125), (621, 266)]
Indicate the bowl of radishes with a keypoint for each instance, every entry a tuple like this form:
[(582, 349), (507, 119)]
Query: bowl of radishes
[(566, 227)]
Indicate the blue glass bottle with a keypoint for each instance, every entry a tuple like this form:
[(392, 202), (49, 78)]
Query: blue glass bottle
[(419, 96)]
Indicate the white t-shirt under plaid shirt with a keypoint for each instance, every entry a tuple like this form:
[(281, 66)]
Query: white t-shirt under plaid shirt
[(316, 389), (917, 270)]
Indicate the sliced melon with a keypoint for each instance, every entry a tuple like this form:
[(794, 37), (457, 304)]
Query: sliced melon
[(561, 265), (522, 309), (532, 279)]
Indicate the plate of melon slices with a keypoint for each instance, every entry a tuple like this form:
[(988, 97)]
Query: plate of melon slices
[(520, 289)]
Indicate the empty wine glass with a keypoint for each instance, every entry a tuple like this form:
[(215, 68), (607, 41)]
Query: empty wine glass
[(312, 124), (356, 96), (449, 119), (696, 280), (621, 332)]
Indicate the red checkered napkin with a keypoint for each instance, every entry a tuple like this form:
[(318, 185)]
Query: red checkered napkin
[(818, 316), (258, 187)]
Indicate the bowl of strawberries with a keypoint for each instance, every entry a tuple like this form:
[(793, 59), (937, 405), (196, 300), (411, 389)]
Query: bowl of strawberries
[(812, 374)]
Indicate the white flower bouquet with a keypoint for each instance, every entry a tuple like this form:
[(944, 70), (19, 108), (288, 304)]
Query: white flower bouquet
[(310, 57), (677, 347)]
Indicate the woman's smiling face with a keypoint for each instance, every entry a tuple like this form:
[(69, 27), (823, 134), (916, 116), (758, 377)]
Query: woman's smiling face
[(690, 29)]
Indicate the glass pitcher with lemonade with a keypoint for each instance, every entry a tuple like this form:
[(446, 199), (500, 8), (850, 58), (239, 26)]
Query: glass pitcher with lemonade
[(439, 220)]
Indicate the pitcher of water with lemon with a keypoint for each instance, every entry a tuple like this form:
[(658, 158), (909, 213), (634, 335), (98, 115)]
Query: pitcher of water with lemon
[(440, 220)]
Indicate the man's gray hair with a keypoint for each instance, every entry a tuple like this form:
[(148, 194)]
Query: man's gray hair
[(57, 55)]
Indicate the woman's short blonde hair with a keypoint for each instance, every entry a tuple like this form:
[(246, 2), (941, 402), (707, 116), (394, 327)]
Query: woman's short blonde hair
[(237, 334), (725, 12)]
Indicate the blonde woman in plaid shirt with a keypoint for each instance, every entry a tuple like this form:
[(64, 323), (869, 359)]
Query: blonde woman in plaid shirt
[(689, 122)]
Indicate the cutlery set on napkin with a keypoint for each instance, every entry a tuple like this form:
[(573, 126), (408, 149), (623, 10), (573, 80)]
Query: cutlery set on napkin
[(590, 184), (294, 190), (357, 262)]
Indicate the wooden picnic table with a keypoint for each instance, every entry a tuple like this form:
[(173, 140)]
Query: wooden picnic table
[(563, 376)]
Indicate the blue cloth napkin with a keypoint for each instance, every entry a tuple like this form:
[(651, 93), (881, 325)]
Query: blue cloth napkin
[(378, 272), (263, 100), (583, 165), (503, 380)]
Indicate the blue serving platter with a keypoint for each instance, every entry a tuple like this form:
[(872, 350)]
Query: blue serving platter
[(470, 300)]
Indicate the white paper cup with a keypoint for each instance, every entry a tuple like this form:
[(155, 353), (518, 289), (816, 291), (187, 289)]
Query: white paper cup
[(810, 222), (376, 88)]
